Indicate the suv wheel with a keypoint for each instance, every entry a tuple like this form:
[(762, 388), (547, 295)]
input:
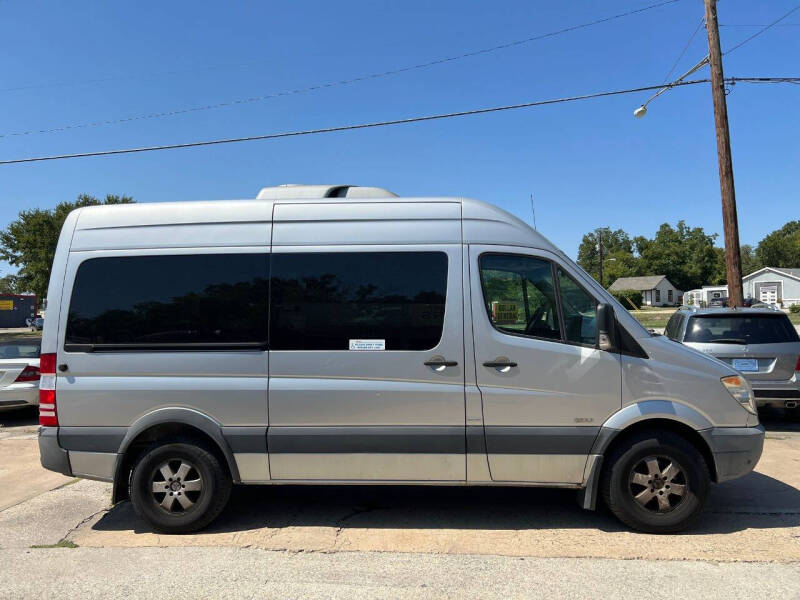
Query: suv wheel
[(656, 482), (179, 487)]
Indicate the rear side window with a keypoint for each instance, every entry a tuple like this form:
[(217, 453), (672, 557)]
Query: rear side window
[(191, 301), (740, 329), (327, 301)]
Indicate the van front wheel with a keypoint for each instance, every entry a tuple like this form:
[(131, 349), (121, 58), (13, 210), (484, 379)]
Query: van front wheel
[(656, 482), (179, 487)]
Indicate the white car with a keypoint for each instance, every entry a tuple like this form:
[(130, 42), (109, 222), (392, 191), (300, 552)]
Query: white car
[(19, 373)]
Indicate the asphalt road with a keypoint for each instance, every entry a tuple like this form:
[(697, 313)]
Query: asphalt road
[(397, 542)]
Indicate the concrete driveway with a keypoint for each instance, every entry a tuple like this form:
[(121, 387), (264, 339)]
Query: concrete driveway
[(417, 533)]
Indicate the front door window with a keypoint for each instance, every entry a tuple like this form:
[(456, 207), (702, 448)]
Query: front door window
[(520, 295)]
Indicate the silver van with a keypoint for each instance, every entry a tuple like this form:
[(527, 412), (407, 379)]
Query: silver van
[(343, 335)]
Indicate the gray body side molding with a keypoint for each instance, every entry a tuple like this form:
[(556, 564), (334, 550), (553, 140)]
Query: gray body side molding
[(184, 416)]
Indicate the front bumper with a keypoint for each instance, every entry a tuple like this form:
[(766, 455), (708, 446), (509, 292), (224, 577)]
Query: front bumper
[(736, 450), (53, 457), (18, 395)]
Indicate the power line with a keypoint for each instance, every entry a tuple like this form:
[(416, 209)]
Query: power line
[(685, 48), (761, 25), (153, 74), (331, 84), (760, 31), (349, 127), (479, 111)]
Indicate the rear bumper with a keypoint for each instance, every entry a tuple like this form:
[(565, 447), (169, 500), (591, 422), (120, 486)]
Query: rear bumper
[(777, 395), (18, 395), (736, 450), (53, 457)]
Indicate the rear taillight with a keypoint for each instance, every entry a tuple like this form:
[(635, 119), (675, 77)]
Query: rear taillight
[(29, 373), (797, 366), (48, 417)]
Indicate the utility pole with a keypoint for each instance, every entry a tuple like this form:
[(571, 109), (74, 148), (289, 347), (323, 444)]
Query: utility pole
[(730, 222), (600, 250)]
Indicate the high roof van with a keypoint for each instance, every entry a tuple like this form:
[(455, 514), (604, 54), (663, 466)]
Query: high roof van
[(344, 335)]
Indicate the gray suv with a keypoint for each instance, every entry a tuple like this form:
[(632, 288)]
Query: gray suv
[(760, 343)]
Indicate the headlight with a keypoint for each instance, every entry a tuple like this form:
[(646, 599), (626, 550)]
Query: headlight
[(740, 389)]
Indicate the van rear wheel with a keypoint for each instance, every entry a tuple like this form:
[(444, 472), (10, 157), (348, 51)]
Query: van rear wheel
[(656, 482), (179, 487)]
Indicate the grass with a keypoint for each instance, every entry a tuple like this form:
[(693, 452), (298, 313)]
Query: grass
[(16, 335), (654, 317), (60, 544), (657, 317)]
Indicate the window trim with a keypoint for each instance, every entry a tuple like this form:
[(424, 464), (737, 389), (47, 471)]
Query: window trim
[(554, 266), (84, 348), (176, 347), (309, 250), (486, 308)]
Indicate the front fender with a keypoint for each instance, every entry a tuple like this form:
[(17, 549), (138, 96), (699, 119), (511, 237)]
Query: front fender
[(645, 411)]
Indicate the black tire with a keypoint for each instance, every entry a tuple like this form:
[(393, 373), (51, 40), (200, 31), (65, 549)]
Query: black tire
[(203, 506), (627, 471)]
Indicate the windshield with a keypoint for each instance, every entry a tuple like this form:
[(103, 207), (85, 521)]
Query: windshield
[(20, 349), (740, 329)]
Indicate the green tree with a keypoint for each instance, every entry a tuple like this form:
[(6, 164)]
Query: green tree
[(8, 285), (618, 259), (781, 248), (750, 262), (30, 242), (686, 255)]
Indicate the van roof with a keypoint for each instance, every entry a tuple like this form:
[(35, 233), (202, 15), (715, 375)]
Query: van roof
[(481, 222)]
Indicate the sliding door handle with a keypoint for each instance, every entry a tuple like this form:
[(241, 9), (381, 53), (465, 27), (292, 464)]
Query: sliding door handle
[(500, 364), (440, 363)]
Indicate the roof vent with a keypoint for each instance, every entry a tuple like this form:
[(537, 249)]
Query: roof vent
[(300, 191)]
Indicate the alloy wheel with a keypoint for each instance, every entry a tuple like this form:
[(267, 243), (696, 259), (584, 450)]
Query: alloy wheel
[(176, 485), (658, 484)]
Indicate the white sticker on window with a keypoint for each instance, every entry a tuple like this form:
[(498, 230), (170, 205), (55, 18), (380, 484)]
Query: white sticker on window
[(367, 344)]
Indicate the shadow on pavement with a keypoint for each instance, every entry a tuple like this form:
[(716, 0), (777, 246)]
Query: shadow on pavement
[(19, 417), (776, 419), (752, 502)]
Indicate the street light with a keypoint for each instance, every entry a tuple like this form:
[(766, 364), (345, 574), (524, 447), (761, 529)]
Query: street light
[(642, 110)]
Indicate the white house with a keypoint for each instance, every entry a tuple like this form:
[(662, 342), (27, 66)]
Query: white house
[(774, 285), (656, 290), (704, 295)]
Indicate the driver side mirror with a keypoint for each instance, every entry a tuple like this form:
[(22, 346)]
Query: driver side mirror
[(606, 328)]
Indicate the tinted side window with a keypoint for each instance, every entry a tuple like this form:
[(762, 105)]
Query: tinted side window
[(520, 296), (673, 326), (322, 301), (202, 299), (580, 311)]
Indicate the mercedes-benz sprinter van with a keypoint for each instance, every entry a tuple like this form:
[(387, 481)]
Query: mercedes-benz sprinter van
[(343, 335)]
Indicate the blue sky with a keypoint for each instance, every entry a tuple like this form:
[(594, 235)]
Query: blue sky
[(588, 164)]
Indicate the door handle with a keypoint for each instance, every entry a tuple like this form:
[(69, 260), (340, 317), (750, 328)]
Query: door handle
[(440, 363), (499, 364)]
